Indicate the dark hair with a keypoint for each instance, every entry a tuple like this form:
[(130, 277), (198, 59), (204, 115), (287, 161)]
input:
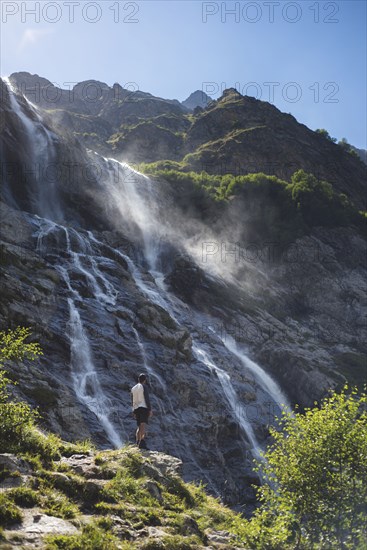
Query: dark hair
[(142, 377)]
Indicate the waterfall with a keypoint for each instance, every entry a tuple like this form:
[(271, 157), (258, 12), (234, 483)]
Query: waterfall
[(86, 384), (132, 194), (42, 155), (133, 199), (238, 410), (85, 377), (265, 381)]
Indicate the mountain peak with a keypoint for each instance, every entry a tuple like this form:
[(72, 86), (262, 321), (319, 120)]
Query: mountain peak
[(231, 93), (197, 99)]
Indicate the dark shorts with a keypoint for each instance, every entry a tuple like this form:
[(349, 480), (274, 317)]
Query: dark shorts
[(141, 414)]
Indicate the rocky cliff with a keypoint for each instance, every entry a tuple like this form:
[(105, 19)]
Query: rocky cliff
[(115, 276)]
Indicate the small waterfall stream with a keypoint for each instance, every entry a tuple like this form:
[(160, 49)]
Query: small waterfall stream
[(42, 155), (267, 383), (85, 377)]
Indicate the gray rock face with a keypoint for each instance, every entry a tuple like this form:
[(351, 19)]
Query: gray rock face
[(209, 334)]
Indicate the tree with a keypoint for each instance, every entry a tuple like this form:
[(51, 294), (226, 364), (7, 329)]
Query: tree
[(325, 134), (344, 144), (13, 345), (15, 417), (315, 490)]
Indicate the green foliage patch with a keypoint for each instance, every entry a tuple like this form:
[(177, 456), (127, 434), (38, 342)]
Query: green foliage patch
[(272, 208), (315, 489)]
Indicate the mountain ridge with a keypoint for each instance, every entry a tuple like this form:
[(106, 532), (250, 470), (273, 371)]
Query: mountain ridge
[(234, 134)]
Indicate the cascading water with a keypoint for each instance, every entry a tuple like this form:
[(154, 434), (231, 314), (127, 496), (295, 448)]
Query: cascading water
[(40, 145), (132, 194), (86, 384), (234, 403), (267, 383), (134, 199), (85, 377)]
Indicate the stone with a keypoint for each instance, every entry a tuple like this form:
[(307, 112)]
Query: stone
[(12, 463), (82, 464), (154, 490), (35, 525), (190, 527)]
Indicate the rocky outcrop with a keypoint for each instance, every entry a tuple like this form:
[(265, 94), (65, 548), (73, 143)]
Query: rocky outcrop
[(124, 497)]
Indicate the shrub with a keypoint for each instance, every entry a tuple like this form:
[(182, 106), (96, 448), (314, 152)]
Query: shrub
[(315, 489), (24, 496), (9, 512), (16, 418)]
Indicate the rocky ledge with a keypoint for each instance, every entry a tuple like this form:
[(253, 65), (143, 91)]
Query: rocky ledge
[(125, 499)]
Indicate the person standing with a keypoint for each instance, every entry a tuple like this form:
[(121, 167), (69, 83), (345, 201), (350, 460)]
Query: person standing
[(142, 409)]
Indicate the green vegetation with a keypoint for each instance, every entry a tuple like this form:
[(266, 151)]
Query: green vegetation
[(9, 512), (292, 208), (315, 492), (92, 538), (13, 346), (348, 148), (343, 143), (17, 419), (325, 134), (319, 204)]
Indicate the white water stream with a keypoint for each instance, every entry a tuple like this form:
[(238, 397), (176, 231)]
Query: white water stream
[(42, 155)]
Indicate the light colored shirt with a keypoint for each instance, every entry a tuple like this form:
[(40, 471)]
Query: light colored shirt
[(138, 396)]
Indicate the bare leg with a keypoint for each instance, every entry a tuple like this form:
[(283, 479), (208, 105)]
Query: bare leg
[(141, 431)]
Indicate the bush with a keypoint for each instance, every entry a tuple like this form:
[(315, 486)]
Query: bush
[(24, 496), (9, 512), (15, 418), (319, 204), (315, 489)]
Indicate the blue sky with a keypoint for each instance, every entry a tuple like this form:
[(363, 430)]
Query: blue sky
[(306, 57)]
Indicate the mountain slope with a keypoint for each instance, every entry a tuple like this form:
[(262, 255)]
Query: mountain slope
[(235, 134), (197, 99)]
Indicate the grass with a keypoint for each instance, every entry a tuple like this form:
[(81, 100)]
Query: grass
[(182, 510), (25, 497), (129, 486), (93, 537), (56, 503), (9, 512)]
